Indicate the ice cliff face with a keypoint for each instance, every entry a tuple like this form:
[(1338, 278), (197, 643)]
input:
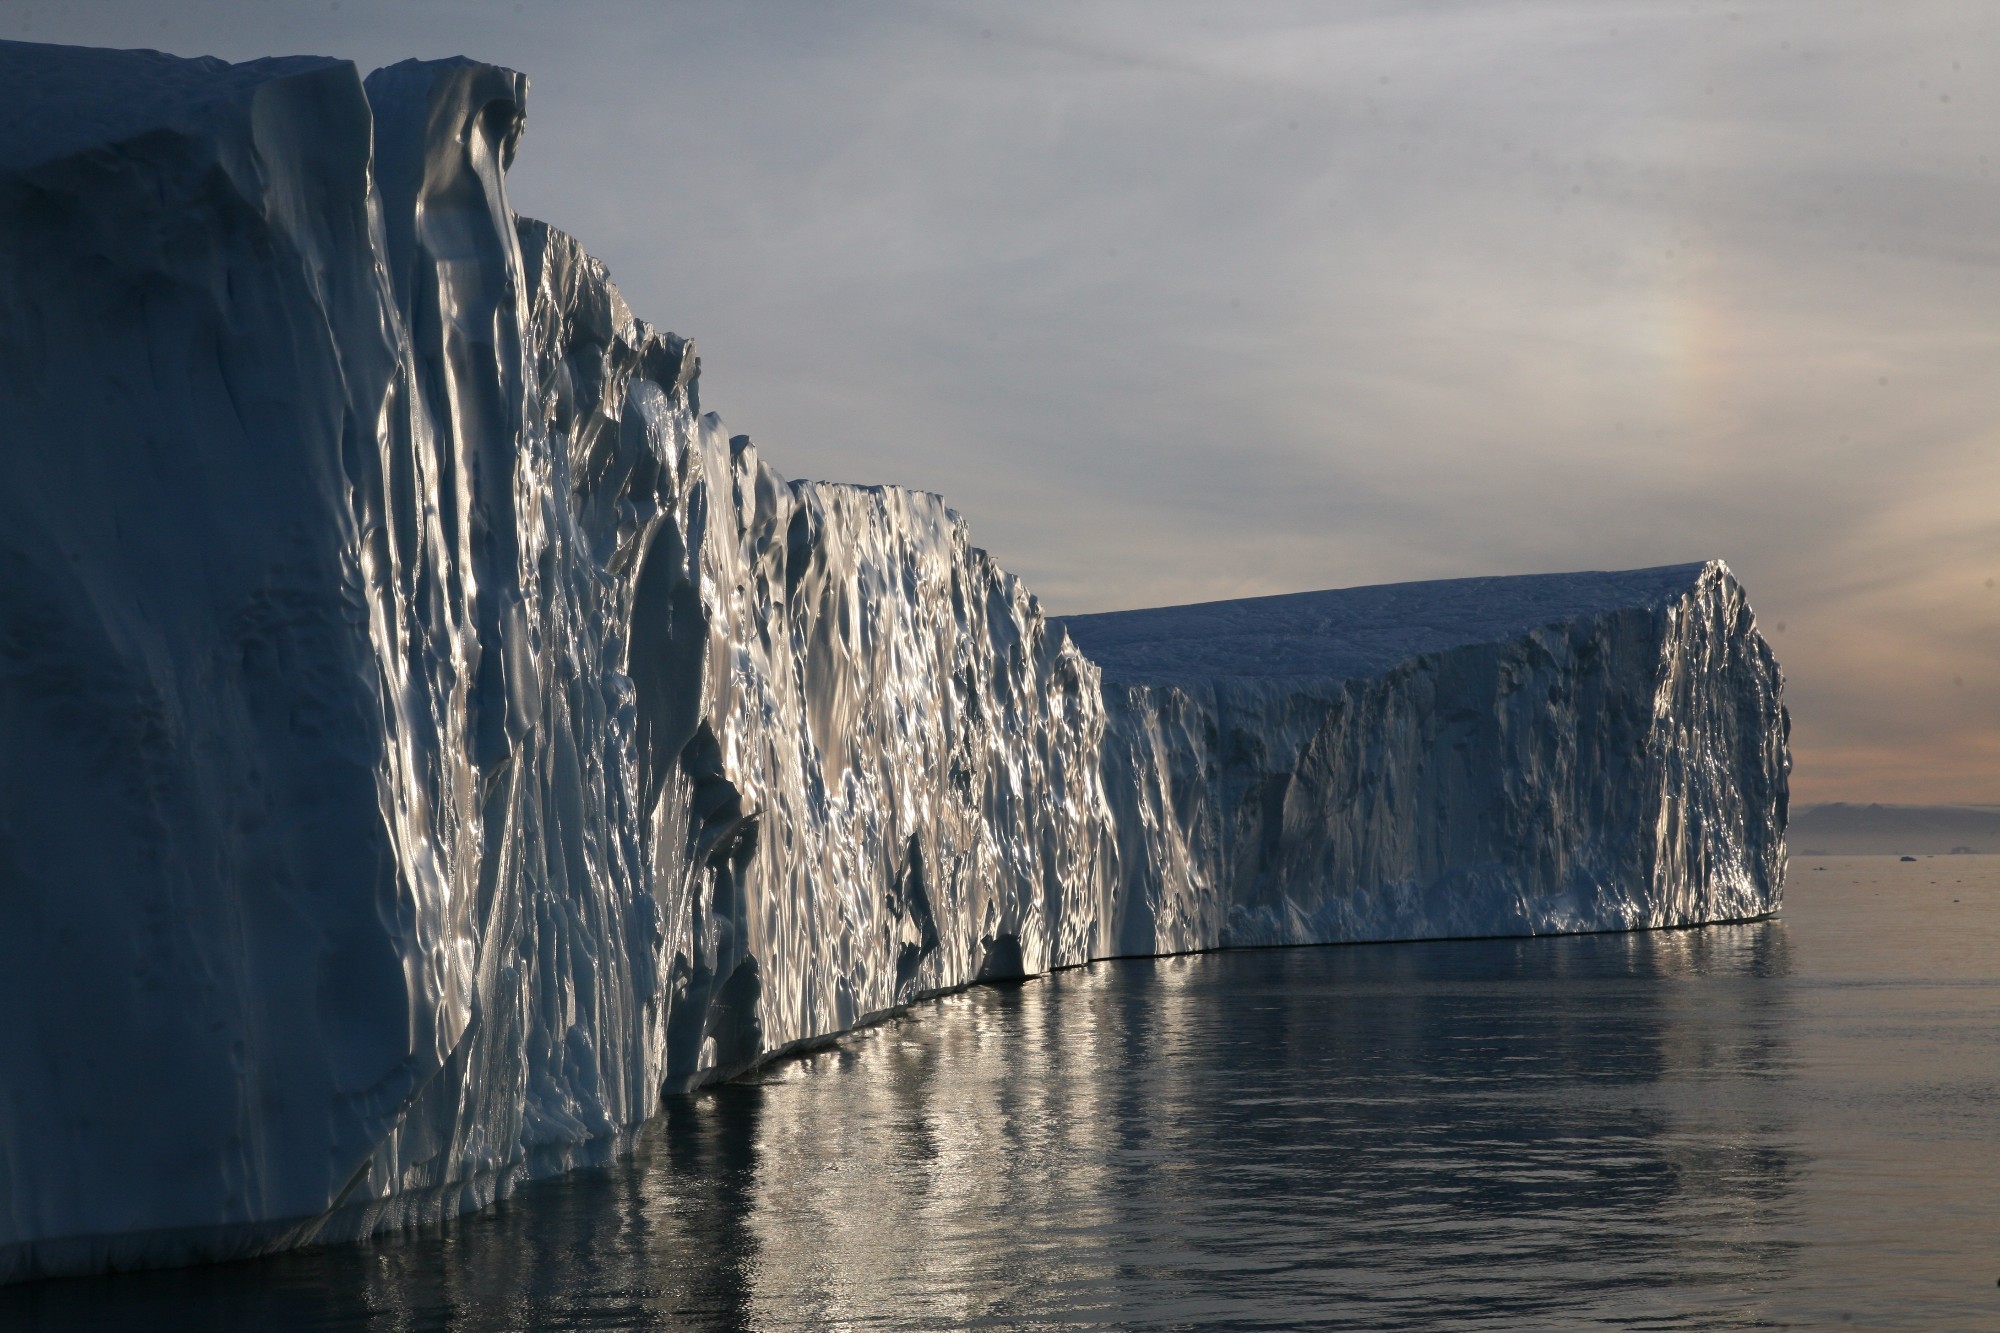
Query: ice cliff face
[(874, 771), (327, 884), (425, 735), (1504, 756)]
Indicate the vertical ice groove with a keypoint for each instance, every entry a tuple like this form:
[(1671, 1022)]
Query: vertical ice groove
[(426, 734)]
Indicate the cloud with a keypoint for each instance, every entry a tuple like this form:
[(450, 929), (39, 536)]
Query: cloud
[(1178, 301)]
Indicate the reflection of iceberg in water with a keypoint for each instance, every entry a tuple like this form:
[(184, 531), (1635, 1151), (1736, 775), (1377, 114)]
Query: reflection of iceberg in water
[(1251, 1136), (1515, 1131), (1255, 1134)]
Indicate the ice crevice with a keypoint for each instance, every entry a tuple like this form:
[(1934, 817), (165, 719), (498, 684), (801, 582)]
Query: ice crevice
[(426, 735)]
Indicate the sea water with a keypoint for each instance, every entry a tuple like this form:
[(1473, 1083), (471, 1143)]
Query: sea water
[(1785, 1123)]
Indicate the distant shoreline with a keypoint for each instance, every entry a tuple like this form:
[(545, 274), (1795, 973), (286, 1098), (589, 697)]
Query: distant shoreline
[(1844, 828)]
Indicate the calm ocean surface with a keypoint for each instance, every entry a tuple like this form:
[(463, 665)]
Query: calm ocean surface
[(1793, 1123)]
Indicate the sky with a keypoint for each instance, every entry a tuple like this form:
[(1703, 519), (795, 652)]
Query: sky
[(1178, 301)]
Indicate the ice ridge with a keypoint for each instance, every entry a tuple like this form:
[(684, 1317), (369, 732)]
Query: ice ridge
[(1355, 632), (426, 735)]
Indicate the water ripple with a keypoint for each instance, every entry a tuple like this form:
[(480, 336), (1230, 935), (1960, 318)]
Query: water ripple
[(1780, 1124)]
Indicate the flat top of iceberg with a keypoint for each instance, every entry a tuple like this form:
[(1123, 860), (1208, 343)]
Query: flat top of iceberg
[(62, 100), (1346, 633)]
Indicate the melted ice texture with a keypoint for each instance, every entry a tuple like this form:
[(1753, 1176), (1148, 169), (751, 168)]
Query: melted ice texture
[(425, 735)]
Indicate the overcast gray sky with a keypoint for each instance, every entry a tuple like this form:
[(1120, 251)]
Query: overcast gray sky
[(1186, 301)]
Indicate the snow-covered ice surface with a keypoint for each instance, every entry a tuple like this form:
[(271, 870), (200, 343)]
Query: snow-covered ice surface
[(425, 734), (1498, 756), (1355, 632)]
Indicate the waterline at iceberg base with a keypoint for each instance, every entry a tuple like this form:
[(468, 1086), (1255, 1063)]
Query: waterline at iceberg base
[(425, 735)]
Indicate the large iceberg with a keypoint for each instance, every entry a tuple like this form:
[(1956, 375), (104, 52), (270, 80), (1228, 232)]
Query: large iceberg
[(1497, 756), (425, 735)]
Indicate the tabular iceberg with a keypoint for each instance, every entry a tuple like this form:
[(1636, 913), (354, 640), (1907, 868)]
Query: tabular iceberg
[(1498, 756), (425, 735)]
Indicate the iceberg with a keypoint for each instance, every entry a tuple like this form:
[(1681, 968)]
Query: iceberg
[(1495, 756), (426, 735)]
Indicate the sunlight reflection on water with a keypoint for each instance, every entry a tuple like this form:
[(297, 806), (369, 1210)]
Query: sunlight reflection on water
[(1781, 1123)]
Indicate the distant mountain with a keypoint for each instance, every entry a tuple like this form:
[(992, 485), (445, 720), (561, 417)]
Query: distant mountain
[(1841, 829)]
